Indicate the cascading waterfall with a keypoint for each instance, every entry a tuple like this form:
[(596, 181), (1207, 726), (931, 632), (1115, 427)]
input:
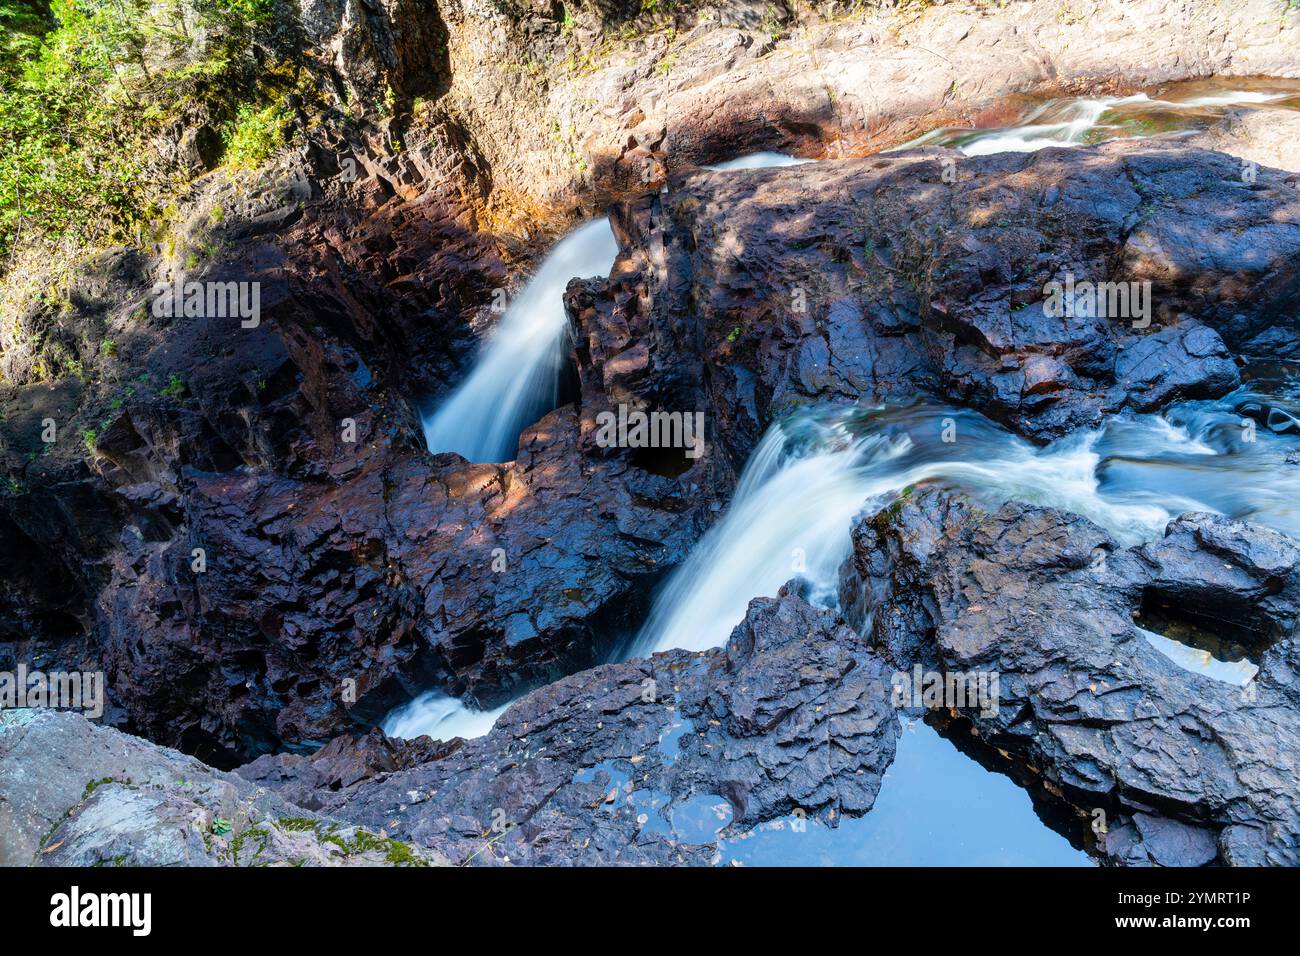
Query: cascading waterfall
[(441, 717), (810, 476), (514, 383), (516, 379), (764, 160)]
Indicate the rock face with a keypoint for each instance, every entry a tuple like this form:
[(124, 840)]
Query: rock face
[(647, 761), (322, 606), (251, 539), (1269, 138), (341, 576), (827, 82), (241, 526), (72, 794), (1181, 768), (874, 279)]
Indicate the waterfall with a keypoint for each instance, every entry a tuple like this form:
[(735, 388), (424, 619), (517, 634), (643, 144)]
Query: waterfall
[(516, 378), (811, 475)]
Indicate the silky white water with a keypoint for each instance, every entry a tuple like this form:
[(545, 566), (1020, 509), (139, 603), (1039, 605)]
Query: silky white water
[(441, 717), (809, 477), (763, 160), (516, 378)]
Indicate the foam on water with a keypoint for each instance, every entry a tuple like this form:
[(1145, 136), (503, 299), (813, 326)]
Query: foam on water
[(810, 476), (764, 160), (441, 717), (1073, 122)]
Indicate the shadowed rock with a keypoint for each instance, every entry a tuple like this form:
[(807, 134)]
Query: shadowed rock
[(323, 606), (1185, 768), (755, 292), (647, 761)]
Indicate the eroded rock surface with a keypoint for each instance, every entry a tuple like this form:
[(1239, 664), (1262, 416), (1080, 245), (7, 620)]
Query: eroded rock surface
[(872, 280), (324, 605), (646, 761), (1186, 769), (73, 794)]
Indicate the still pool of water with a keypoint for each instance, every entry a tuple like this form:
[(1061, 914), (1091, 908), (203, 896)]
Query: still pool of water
[(937, 807)]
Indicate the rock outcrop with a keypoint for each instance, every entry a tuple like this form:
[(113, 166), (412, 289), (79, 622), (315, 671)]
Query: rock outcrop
[(648, 761), (324, 605), (926, 272), (831, 81), (1172, 767), (73, 794)]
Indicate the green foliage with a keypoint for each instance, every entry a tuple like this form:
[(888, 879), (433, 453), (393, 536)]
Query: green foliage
[(22, 24), (254, 136), (252, 11), (84, 87), (174, 388)]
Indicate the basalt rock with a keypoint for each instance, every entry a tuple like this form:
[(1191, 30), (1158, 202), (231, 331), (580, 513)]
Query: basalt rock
[(324, 604), (1178, 767), (754, 292), (238, 521), (73, 794), (647, 761), (733, 78)]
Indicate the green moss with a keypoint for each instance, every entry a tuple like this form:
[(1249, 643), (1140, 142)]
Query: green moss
[(94, 785), (395, 852), (296, 824), (886, 517)]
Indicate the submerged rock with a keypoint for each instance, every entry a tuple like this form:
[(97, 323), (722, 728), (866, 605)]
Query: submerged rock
[(1169, 766), (647, 761)]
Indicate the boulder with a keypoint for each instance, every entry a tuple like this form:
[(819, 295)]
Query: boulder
[(647, 761), (75, 794), (1168, 766)]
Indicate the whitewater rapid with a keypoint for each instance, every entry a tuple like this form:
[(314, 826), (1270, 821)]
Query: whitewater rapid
[(811, 475)]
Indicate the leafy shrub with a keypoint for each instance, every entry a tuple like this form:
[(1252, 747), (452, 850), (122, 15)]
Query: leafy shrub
[(84, 87), (254, 136)]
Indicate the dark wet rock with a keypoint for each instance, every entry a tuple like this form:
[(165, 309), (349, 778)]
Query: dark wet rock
[(73, 794), (324, 605), (1185, 768), (751, 293), (650, 760), (240, 524), (1275, 419), (342, 763)]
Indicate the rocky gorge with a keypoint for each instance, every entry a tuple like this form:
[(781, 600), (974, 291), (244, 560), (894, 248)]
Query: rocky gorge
[(909, 460)]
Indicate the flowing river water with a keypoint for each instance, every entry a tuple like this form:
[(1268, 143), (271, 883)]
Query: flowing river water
[(813, 473)]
